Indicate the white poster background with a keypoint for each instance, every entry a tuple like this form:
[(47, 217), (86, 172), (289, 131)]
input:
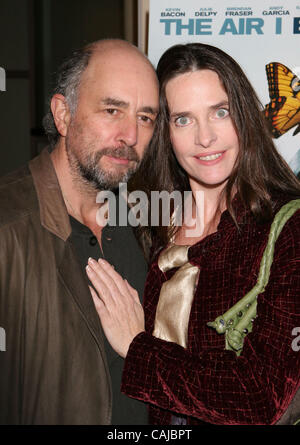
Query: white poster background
[(253, 32)]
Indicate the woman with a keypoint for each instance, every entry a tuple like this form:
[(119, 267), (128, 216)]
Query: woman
[(211, 138)]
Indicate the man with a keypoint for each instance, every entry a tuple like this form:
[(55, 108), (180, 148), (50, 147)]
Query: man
[(58, 368)]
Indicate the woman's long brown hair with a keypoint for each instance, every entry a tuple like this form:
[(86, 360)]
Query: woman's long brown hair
[(260, 171)]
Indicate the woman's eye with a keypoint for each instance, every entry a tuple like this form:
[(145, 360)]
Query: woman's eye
[(222, 112), (182, 121)]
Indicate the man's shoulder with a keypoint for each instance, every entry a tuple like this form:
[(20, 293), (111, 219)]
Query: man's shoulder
[(17, 195)]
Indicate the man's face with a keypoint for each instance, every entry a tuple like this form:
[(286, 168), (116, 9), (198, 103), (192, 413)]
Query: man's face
[(114, 119)]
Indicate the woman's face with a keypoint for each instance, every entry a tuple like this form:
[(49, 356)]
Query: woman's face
[(202, 133)]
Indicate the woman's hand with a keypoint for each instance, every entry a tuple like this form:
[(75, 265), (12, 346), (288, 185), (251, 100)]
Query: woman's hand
[(117, 304)]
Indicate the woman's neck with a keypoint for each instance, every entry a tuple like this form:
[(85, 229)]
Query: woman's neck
[(202, 216)]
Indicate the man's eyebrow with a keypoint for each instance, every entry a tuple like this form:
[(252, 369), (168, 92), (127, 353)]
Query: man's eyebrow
[(114, 102), (149, 110)]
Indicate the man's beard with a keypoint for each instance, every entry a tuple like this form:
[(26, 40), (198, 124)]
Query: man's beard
[(88, 166)]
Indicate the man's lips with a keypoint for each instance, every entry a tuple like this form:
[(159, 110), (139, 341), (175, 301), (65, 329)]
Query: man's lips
[(117, 160)]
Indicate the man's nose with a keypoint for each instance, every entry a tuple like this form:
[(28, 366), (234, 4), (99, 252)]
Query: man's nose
[(128, 132)]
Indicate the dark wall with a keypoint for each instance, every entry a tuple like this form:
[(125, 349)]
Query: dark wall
[(15, 101), (83, 21), (35, 36), (64, 25)]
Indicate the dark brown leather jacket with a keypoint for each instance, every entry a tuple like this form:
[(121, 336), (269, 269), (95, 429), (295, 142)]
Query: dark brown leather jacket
[(53, 369)]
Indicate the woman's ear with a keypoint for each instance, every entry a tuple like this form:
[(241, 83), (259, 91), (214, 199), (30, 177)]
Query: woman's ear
[(61, 113)]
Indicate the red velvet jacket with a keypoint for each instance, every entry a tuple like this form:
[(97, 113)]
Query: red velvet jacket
[(204, 382)]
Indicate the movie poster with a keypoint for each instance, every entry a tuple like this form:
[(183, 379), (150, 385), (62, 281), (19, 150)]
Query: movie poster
[(263, 36)]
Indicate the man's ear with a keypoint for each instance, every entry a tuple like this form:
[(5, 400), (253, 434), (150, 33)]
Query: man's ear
[(61, 113)]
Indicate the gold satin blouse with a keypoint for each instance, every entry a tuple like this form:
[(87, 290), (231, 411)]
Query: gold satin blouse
[(176, 295)]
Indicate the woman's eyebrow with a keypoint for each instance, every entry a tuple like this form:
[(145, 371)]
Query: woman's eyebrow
[(219, 104), (179, 113)]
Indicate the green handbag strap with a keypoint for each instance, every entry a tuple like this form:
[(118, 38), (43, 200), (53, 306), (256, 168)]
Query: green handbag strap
[(236, 323)]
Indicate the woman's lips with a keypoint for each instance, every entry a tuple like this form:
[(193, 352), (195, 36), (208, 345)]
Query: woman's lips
[(210, 158)]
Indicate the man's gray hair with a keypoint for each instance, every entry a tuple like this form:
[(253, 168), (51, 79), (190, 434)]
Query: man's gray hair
[(67, 83)]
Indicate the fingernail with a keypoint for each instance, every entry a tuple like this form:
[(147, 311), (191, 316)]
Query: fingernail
[(101, 261), (92, 261), (88, 268)]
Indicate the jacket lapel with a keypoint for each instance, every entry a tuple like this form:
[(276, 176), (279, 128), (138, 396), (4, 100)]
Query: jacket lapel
[(53, 212)]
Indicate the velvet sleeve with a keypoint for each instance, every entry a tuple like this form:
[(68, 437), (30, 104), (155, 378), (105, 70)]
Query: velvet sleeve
[(215, 385)]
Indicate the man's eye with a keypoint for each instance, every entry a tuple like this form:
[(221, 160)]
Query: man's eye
[(222, 112), (146, 120), (111, 111), (182, 121)]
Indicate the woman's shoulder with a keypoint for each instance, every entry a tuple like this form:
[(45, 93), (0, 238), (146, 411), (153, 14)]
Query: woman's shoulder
[(287, 210), (279, 199), (287, 222)]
